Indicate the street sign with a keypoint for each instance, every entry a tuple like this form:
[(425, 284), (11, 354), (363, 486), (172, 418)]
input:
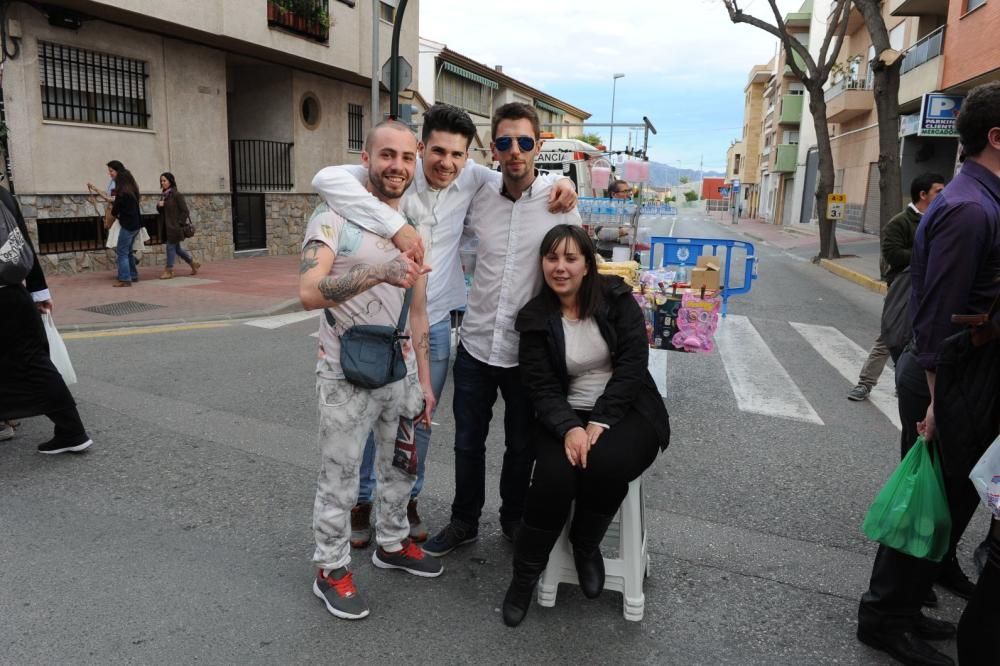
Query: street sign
[(736, 185), (405, 73), (836, 206), (938, 114), (724, 192)]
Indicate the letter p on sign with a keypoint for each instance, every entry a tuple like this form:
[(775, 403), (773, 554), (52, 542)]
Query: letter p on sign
[(942, 107)]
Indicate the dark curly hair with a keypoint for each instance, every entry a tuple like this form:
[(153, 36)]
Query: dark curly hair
[(979, 114)]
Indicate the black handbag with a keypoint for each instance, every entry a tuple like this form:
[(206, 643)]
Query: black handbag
[(897, 325), (370, 355), (187, 228)]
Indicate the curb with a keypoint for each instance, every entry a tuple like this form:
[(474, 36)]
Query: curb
[(291, 305), (871, 284)]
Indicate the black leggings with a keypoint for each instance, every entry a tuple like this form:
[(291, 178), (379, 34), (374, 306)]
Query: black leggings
[(620, 456)]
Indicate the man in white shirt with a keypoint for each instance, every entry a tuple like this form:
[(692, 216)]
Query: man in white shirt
[(437, 202), (510, 219)]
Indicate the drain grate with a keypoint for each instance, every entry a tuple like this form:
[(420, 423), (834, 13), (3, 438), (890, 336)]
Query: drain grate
[(122, 308)]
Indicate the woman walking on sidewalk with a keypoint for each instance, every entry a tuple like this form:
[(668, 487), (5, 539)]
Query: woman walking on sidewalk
[(175, 214), (126, 210), (600, 421)]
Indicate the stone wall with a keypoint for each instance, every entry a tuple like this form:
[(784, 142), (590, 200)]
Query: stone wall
[(287, 216), (211, 214)]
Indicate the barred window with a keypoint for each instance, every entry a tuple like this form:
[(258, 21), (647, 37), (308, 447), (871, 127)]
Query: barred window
[(355, 127), (464, 93), (91, 87)]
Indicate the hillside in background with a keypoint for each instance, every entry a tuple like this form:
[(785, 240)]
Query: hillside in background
[(662, 175)]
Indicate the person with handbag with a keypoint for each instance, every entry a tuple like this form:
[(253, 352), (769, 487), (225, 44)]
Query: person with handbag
[(30, 385), (176, 223), (366, 380), (954, 266), (126, 210), (599, 420)]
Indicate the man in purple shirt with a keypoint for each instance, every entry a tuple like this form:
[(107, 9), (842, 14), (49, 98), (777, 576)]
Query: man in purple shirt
[(955, 265)]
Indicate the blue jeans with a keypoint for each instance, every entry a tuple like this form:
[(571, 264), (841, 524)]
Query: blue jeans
[(175, 250), (440, 338), (476, 386), (127, 271)]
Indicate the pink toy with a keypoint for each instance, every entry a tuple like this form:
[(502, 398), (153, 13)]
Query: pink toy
[(697, 320)]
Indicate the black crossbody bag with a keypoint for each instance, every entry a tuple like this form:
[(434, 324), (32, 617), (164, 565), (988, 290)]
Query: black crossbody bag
[(371, 356)]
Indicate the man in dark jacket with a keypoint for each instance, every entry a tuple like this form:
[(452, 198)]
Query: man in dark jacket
[(897, 241), (955, 265)]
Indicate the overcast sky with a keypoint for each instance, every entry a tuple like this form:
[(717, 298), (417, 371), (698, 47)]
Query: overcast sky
[(685, 64)]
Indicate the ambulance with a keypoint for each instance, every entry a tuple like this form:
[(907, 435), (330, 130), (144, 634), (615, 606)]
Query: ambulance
[(569, 157)]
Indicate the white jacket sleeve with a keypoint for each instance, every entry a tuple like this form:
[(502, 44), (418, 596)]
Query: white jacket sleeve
[(343, 190)]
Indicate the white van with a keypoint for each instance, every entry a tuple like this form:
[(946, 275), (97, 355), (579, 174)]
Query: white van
[(572, 158)]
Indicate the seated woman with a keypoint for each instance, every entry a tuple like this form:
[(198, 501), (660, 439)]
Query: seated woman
[(600, 421)]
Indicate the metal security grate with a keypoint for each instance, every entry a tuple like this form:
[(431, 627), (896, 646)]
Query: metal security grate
[(83, 234), (122, 308), (355, 127), (259, 165), (92, 87)]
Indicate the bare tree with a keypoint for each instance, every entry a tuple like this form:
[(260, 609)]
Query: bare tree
[(886, 67), (813, 73)]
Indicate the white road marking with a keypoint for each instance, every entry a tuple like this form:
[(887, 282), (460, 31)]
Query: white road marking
[(277, 321), (847, 357), (759, 381)]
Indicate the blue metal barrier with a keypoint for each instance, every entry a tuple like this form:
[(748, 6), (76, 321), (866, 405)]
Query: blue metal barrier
[(684, 252)]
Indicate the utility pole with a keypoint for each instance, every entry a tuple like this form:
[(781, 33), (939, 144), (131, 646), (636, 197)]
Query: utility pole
[(394, 61), (376, 69)]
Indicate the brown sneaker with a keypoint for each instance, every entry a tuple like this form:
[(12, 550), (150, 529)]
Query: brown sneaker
[(194, 267), (361, 525), (119, 283), (417, 530), (167, 274)]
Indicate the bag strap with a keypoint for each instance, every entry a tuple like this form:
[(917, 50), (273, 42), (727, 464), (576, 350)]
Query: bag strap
[(402, 313)]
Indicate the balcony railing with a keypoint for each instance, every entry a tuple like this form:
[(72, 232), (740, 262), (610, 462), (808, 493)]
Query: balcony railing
[(845, 84), (926, 49), (310, 18), (260, 165)]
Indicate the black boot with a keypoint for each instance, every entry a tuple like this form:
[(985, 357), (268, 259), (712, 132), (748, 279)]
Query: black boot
[(585, 534), (531, 553)]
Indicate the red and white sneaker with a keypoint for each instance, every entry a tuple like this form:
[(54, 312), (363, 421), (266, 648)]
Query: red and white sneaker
[(338, 592), (411, 559)]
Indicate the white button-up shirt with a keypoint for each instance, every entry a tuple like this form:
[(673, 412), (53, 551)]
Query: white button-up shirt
[(438, 214), (508, 268)]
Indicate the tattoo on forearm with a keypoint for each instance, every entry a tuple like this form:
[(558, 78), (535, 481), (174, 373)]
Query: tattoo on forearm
[(394, 271), (357, 280), (310, 258), (424, 345)]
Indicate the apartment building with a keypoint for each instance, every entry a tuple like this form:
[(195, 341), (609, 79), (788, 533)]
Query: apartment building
[(450, 77), (951, 52), (747, 167), (782, 104), (243, 100)]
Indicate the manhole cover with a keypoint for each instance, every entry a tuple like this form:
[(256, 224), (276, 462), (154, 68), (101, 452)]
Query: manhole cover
[(122, 308)]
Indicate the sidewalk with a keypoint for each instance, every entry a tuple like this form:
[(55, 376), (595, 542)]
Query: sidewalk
[(860, 260), (236, 288)]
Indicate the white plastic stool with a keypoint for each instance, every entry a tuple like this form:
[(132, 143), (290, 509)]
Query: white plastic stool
[(624, 573)]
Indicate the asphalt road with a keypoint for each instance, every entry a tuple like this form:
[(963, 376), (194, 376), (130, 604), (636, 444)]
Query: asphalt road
[(184, 536)]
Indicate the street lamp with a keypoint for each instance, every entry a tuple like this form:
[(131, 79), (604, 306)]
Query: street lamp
[(614, 84)]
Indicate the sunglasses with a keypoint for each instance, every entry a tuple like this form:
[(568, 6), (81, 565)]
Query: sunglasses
[(505, 143)]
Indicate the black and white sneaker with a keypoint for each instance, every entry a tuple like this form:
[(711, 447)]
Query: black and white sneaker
[(56, 445)]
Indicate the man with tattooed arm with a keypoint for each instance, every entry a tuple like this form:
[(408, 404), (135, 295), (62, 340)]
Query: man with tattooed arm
[(359, 278)]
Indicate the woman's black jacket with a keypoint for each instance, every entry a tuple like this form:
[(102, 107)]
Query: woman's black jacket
[(126, 209), (542, 360)]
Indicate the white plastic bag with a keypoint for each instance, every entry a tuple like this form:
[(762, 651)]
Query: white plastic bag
[(57, 350), (985, 477)]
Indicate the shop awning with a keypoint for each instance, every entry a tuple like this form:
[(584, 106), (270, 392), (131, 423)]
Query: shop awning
[(464, 73), (548, 107)]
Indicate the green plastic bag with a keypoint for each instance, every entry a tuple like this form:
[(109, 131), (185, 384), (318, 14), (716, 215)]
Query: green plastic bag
[(910, 513)]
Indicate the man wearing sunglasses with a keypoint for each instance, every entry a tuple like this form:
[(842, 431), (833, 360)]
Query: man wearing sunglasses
[(437, 202), (509, 218)]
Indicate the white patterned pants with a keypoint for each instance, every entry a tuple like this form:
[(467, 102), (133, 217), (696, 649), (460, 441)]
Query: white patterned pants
[(347, 413)]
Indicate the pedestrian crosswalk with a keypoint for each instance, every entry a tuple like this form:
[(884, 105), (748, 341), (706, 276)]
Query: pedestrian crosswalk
[(759, 382)]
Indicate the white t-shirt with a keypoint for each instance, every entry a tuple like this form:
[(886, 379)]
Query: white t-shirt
[(380, 305), (588, 362)]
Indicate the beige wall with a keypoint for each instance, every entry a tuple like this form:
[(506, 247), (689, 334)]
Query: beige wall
[(349, 46)]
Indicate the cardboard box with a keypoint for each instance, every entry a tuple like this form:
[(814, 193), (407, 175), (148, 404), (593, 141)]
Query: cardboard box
[(706, 275)]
